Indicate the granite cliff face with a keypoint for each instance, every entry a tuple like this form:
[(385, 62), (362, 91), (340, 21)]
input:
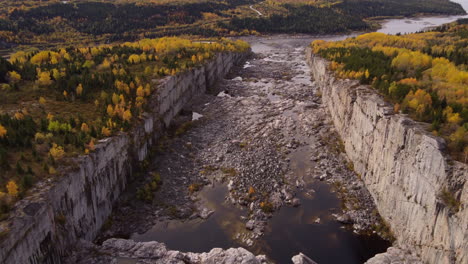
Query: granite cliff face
[(404, 167), (74, 206)]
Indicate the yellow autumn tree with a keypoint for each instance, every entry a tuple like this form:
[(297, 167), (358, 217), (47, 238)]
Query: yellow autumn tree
[(91, 145), (56, 74), (19, 116), (115, 99), (79, 89), (13, 77), (43, 79), (140, 91), (106, 64), (18, 57), (105, 131), (418, 101), (127, 115), (134, 59), (12, 188), (56, 151), (110, 110), (148, 70), (84, 128), (3, 131), (45, 57), (147, 89), (451, 117)]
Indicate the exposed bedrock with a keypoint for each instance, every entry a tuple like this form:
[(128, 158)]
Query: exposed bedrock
[(404, 167), (153, 252)]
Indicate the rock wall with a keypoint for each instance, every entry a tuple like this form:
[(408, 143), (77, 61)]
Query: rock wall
[(404, 167), (74, 206)]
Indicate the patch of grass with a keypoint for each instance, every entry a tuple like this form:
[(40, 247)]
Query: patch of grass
[(172, 211), (243, 144), (359, 176), (251, 194), (207, 169), (144, 164), (194, 187), (107, 224), (450, 201), (384, 230), (146, 193), (267, 207), (340, 146), (61, 219), (382, 227), (182, 129), (229, 171), (336, 144)]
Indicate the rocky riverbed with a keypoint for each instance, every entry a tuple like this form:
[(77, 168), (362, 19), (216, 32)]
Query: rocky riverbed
[(264, 139)]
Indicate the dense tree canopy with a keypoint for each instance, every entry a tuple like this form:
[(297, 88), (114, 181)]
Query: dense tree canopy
[(46, 22), (57, 103), (424, 74)]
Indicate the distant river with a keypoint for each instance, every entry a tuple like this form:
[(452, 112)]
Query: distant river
[(411, 25)]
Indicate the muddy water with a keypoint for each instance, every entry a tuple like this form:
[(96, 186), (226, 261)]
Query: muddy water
[(272, 105), (199, 235)]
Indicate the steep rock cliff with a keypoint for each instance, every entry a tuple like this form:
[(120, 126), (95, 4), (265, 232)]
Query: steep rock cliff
[(74, 206), (404, 167)]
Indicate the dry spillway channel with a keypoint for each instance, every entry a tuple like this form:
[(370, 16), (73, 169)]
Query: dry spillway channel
[(256, 164)]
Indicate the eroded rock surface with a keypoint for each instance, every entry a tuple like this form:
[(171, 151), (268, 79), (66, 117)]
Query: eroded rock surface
[(404, 167), (114, 250), (265, 134), (395, 256)]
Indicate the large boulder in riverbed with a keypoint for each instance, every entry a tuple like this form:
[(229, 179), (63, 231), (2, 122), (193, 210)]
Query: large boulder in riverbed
[(229, 256)]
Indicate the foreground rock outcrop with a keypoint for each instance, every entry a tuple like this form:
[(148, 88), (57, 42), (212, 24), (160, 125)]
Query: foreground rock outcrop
[(157, 253), (74, 206), (113, 250), (394, 256), (404, 167)]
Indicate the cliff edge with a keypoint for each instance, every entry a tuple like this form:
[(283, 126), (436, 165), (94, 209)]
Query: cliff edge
[(418, 189)]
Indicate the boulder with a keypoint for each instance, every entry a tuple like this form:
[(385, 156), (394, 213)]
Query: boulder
[(302, 259)]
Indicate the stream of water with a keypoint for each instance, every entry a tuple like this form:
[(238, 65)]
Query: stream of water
[(309, 228)]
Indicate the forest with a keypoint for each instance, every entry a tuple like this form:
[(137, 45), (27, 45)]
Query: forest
[(425, 75), (47, 22), (56, 104), (333, 17)]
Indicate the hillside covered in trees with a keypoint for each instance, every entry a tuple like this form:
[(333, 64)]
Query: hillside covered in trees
[(326, 17), (48, 22), (57, 103), (425, 75)]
